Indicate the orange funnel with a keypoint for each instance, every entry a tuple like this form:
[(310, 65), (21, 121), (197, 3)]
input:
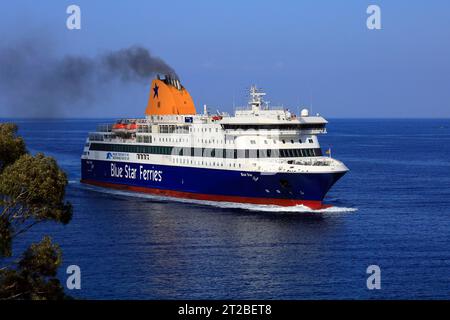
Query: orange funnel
[(168, 96)]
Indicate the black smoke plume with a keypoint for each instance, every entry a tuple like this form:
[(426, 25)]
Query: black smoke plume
[(35, 82)]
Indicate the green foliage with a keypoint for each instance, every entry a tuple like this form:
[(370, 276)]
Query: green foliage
[(32, 190), (12, 147), (42, 258), (34, 276)]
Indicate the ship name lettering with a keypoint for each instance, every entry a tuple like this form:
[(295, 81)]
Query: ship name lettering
[(116, 171), (130, 173), (150, 175)]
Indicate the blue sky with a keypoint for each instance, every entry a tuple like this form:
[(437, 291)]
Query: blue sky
[(298, 51)]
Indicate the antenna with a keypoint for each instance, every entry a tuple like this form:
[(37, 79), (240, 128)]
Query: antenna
[(256, 98), (234, 103)]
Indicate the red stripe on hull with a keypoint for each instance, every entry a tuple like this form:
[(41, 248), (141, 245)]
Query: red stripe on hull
[(208, 197)]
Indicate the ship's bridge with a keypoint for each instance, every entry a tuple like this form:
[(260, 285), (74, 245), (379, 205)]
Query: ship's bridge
[(258, 116)]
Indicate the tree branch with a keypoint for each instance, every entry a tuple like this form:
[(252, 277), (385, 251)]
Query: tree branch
[(25, 229)]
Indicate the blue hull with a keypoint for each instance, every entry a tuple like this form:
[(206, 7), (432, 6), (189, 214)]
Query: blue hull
[(211, 184)]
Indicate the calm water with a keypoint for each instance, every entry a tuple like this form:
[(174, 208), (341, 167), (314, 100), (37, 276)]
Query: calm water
[(146, 248)]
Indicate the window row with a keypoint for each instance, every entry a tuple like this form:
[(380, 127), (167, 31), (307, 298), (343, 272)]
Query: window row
[(302, 126), (173, 129), (208, 152)]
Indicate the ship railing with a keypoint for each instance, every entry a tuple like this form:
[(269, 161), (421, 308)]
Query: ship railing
[(314, 162), (263, 107), (104, 127), (268, 132), (110, 137), (119, 139), (96, 137), (144, 128)]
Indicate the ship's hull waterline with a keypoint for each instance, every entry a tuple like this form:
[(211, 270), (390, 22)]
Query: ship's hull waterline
[(281, 189)]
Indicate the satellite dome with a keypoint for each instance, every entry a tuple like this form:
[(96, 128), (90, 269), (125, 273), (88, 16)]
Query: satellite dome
[(304, 113)]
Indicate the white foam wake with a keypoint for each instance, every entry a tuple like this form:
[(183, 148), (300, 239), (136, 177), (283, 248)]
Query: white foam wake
[(221, 204)]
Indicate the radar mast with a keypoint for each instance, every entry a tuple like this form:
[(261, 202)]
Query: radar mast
[(256, 98)]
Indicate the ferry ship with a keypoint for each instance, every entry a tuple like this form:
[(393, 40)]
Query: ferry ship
[(260, 155)]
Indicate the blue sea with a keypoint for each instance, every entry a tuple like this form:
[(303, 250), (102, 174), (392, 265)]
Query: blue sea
[(392, 210)]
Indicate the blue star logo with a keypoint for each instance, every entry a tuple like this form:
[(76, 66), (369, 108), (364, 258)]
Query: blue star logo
[(155, 91)]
